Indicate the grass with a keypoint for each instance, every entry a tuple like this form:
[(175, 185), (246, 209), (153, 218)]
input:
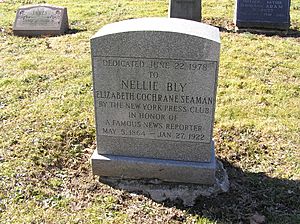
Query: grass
[(47, 131)]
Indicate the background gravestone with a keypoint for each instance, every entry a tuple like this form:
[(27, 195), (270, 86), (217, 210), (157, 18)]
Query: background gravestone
[(155, 86), (37, 20), (185, 9), (263, 14)]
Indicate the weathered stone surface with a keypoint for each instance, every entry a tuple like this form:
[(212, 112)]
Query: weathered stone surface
[(160, 191), (185, 9), (166, 170), (37, 20), (263, 14), (186, 54), (155, 91)]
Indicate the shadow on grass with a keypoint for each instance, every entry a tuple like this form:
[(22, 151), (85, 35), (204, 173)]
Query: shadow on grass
[(270, 33), (224, 25), (291, 33), (228, 26), (250, 193), (69, 31), (74, 31)]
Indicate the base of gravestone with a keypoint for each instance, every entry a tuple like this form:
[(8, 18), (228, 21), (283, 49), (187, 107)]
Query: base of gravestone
[(261, 31), (162, 191)]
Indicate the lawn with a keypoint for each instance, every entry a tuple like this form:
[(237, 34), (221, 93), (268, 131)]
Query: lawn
[(47, 131)]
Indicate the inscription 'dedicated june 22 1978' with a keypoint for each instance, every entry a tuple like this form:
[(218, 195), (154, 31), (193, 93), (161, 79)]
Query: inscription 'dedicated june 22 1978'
[(166, 99)]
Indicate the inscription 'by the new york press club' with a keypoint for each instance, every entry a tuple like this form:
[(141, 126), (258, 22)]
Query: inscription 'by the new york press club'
[(165, 99)]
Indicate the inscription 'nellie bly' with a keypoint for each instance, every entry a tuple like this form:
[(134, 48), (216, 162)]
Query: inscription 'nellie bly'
[(151, 85), (155, 98), (154, 86)]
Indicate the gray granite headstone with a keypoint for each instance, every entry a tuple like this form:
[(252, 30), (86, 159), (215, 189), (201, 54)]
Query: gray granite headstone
[(155, 83), (185, 9), (37, 20), (263, 14)]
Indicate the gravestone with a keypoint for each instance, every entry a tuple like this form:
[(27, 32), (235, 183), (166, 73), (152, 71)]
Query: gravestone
[(37, 20), (155, 83), (185, 9), (263, 14)]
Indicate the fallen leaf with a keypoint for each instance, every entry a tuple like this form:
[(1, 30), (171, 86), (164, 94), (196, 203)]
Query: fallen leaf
[(257, 219)]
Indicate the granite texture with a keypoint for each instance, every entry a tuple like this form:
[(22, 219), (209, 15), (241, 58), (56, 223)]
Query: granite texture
[(139, 38), (144, 168), (263, 14), (174, 42), (147, 148), (185, 9), (41, 20), (161, 191), (155, 83)]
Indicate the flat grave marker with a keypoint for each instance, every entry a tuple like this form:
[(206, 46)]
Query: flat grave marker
[(38, 20)]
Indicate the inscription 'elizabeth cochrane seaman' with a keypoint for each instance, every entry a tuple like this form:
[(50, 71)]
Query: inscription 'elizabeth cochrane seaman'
[(153, 97), (154, 104), (147, 94)]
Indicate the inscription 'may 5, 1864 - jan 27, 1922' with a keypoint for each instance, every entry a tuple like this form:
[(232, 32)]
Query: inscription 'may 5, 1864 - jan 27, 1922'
[(164, 99)]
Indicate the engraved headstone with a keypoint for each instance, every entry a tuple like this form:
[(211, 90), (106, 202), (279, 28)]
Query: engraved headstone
[(37, 20), (263, 14), (185, 9), (155, 83)]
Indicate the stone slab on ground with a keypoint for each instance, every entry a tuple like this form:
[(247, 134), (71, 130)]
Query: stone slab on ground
[(261, 31), (165, 170), (161, 191), (39, 20), (155, 83)]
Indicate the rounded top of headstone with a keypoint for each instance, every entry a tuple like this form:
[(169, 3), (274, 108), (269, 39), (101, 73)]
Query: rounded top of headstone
[(175, 25)]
